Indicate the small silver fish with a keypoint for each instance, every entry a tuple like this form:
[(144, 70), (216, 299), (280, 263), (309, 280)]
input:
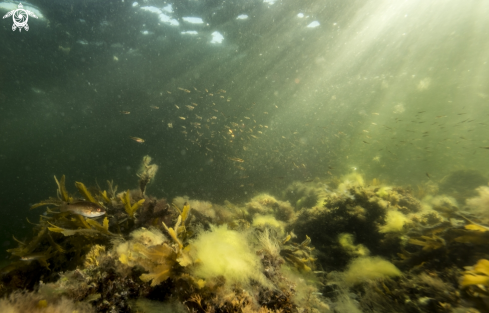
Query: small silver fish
[(34, 256)]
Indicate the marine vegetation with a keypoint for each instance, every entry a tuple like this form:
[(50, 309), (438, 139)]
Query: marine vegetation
[(343, 245), (109, 251)]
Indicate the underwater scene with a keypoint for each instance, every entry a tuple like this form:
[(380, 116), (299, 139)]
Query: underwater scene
[(267, 156)]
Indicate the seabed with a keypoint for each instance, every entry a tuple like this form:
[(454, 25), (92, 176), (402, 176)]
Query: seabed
[(337, 245)]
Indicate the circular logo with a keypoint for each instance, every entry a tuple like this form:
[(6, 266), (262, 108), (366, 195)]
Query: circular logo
[(20, 18)]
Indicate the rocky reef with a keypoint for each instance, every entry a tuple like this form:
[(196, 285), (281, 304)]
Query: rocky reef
[(337, 245)]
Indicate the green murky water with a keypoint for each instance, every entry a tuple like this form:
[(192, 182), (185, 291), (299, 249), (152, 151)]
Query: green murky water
[(236, 98)]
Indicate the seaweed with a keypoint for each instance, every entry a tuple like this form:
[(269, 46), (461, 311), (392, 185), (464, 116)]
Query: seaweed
[(298, 254), (163, 259), (62, 193), (130, 208), (476, 275), (84, 192), (146, 173), (245, 257)]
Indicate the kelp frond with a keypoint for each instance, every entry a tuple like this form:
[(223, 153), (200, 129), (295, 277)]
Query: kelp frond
[(130, 209), (428, 243), (186, 211), (94, 229), (474, 237), (183, 254), (157, 275), (104, 228), (112, 190), (172, 232), (55, 245), (105, 197), (71, 232), (82, 221), (298, 254), (477, 275), (24, 249), (50, 201), (32, 222), (157, 254), (158, 260), (85, 193), (62, 192)]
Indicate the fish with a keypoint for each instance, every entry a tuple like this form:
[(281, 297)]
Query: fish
[(190, 107), (183, 89), (428, 175), (182, 118), (40, 257), (84, 208), (125, 112), (485, 147), (154, 107), (137, 139), (237, 160), (34, 256)]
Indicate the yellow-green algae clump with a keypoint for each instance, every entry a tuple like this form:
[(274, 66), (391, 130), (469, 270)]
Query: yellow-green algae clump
[(226, 253)]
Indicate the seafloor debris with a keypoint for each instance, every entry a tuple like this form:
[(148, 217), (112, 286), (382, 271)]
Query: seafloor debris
[(342, 246)]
